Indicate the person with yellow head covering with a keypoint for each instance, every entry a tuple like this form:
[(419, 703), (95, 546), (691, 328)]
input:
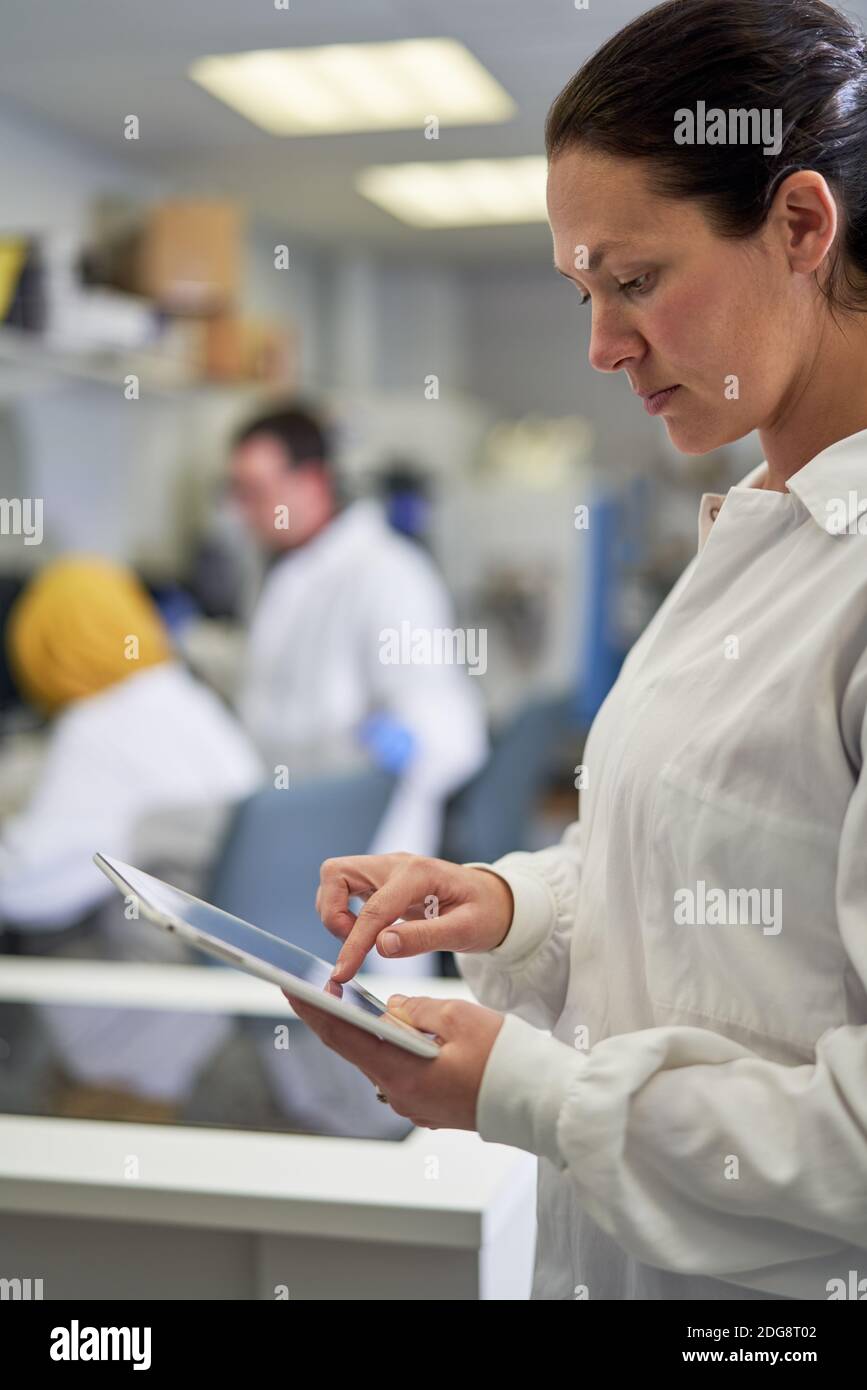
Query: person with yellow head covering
[(143, 762), (81, 626)]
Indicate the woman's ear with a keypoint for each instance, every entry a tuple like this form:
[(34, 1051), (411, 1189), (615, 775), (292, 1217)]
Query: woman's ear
[(805, 212)]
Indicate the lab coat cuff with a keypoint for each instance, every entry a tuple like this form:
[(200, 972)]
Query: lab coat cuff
[(526, 1078), (533, 918)]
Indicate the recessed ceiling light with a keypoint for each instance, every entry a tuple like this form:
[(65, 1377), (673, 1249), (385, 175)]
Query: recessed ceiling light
[(356, 86), (459, 193)]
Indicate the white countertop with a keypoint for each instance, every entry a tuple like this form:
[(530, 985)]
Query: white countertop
[(280, 1184), (436, 1187), (197, 988)]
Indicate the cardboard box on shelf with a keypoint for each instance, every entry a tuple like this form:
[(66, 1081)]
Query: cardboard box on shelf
[(190, 256), (184, 255), (238, 348)]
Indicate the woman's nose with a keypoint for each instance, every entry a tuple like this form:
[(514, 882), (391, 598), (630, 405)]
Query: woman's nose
[(612, 343)]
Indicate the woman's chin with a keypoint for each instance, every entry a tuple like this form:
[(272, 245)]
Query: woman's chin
[(686, 442), (694, 437)]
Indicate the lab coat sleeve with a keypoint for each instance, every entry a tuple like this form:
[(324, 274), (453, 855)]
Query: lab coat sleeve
[(439, 704), (651, 1127), (47, 876), (528, 973)]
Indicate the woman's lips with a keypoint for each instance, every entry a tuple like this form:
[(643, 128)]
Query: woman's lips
[(659, 400)]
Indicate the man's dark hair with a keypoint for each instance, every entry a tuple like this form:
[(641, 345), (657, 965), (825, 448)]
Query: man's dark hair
[(302, 436)]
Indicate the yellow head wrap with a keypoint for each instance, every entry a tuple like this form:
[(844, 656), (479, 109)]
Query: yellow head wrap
[(80, 626)]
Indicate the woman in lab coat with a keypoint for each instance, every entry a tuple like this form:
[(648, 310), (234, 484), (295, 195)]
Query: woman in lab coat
[(143, 762), (697, 942)]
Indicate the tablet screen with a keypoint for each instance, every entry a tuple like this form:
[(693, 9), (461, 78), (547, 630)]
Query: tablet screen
[(236, 934)]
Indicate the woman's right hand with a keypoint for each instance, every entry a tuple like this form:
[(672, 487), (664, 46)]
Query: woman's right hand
[(445, 907)]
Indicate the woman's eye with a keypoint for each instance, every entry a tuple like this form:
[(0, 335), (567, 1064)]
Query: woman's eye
[(639, 285), (636, 286)]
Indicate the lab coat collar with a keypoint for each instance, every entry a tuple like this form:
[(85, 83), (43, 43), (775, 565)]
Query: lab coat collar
[(712, 501), (352, 528), (832, 487)]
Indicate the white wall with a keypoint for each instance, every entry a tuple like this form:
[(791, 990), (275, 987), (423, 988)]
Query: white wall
[(49, 179), (526, 351)]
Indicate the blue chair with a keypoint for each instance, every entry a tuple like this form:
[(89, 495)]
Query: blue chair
[(267, 871), (491, 815)]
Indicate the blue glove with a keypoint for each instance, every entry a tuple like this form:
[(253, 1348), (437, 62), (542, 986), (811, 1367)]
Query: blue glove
[(389, 742)]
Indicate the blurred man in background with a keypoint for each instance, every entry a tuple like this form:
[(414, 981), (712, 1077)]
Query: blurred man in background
[(317, 698), (317, 689)]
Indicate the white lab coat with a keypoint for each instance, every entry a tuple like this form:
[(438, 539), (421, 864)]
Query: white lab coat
[(314, 673), (146, 769), (700, 1110)]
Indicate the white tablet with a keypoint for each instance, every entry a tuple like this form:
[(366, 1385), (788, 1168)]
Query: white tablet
[(249, 948)]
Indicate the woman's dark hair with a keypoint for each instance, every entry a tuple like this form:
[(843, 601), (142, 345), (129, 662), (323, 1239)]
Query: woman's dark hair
[(799, 56)]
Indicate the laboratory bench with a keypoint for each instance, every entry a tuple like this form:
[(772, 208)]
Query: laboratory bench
[(102, 1209)]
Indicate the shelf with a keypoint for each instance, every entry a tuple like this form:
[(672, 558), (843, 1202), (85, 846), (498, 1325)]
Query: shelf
[(26, 364)]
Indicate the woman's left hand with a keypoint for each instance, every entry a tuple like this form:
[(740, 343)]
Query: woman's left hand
[(438, 1093)]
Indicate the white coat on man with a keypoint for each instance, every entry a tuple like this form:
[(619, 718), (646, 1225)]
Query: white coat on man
[(330, 618), (330, 615)]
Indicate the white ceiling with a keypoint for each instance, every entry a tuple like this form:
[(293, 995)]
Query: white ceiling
[(83, 65)]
